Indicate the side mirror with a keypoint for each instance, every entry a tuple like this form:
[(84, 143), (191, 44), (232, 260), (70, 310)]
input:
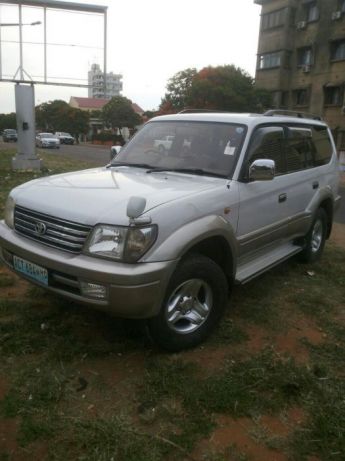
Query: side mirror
[(135, 206), (262, 170)]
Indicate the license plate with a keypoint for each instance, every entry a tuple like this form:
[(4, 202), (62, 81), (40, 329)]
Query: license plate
[(35, 272)]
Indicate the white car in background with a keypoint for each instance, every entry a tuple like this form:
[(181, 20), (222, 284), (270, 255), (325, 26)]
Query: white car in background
[(47, 140), (65, 138), (114, 150)]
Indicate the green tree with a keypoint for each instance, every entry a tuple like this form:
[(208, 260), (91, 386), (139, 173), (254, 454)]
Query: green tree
[(8, 121), (59, 116), (227, 88), (178, 88), (119, 113)]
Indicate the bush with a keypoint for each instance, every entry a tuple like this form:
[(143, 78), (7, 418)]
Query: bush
[(106, 136)]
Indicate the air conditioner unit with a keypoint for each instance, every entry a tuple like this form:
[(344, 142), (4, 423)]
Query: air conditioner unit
[(306, 69), (301, 25), (336, 15)]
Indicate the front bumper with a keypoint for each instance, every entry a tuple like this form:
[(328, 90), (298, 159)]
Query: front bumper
[(132, 290)]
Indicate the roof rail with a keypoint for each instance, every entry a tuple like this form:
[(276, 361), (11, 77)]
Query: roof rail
[(292, 113), (199, 111)]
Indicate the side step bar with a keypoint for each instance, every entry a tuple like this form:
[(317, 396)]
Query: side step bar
[(263, 263)]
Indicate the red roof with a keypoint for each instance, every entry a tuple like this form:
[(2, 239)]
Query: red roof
[(98, 103), (91, 103)]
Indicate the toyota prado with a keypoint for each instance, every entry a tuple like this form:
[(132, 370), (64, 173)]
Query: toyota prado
[(162, 234)]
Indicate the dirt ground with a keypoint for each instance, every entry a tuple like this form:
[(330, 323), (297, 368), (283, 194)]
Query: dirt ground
[(244, 435)]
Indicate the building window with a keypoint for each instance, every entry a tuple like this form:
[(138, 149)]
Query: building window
[(274, 19), (338, 50), (269, 60), (285, 99), (311, 12), (305, 56), (276, 98), (334, 95), (301, 97)]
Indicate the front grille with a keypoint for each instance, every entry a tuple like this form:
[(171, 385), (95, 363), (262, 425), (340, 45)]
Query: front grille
[(55, 232)]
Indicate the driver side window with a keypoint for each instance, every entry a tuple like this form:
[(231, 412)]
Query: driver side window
[(268, 143)]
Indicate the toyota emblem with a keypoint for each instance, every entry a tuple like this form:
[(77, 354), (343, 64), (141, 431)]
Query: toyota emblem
[(40, 228)]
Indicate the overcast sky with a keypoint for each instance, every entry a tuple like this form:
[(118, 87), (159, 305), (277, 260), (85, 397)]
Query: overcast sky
[(148, 42)]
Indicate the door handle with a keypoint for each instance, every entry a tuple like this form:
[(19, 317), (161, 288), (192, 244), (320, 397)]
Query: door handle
[(282, 198), (315, 185)]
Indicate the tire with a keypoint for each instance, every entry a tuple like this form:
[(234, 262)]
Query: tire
[(315, 239), (194, 303)]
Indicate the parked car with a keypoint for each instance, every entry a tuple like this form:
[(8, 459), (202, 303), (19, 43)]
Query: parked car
[(114, 150), (163, 237), (9, 135), (65, 138), (47, 140)]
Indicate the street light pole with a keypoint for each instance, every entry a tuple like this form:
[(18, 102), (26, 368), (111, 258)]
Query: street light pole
[(21, 43)]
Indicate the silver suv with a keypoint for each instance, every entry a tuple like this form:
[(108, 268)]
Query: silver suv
[(163, 235)]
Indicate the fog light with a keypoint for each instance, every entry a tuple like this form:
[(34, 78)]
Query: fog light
[(93, 290)]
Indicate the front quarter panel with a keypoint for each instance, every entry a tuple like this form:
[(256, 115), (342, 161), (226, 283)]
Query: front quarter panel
[(183, 239), (186, 222)]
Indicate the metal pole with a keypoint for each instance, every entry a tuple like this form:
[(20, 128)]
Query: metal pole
[(0, 48), (45, 43), (105, 54), (20, 43)]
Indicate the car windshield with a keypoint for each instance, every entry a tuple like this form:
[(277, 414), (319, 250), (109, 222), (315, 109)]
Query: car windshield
[(10, 131), (47, 135), (65, 134), (205, 147)]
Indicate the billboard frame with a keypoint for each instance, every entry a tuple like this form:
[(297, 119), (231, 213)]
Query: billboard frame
[(53, 5)]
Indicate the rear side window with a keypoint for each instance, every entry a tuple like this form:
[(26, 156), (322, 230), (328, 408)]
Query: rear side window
[(299, 149), (322, 144), (307, 147)]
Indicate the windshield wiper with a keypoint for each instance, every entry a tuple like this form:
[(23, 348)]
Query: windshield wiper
[(136, 165), (197, 171)]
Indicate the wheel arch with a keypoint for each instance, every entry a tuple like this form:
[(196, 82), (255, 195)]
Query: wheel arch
[(210, 236), (218, 250), (327, 206)]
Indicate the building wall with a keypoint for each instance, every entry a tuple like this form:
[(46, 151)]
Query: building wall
[(291, 81), (96, 80)]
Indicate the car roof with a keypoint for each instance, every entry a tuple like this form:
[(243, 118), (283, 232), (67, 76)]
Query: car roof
[(248, 119)]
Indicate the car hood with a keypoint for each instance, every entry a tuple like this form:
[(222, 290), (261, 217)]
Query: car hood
[(101, 195), (48, 139)]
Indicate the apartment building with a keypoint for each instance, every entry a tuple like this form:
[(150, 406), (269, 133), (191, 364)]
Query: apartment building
[(301, 57), (96, 82)]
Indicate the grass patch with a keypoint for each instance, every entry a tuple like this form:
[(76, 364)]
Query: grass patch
[(6, 280)]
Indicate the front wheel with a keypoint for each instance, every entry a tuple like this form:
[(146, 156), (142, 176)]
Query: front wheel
[(194, 303), (316, 238)]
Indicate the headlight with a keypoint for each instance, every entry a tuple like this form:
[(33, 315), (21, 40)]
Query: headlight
[(9, 212), (121, 243)]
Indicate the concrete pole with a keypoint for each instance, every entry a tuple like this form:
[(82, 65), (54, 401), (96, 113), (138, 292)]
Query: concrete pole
[(26, 158)]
